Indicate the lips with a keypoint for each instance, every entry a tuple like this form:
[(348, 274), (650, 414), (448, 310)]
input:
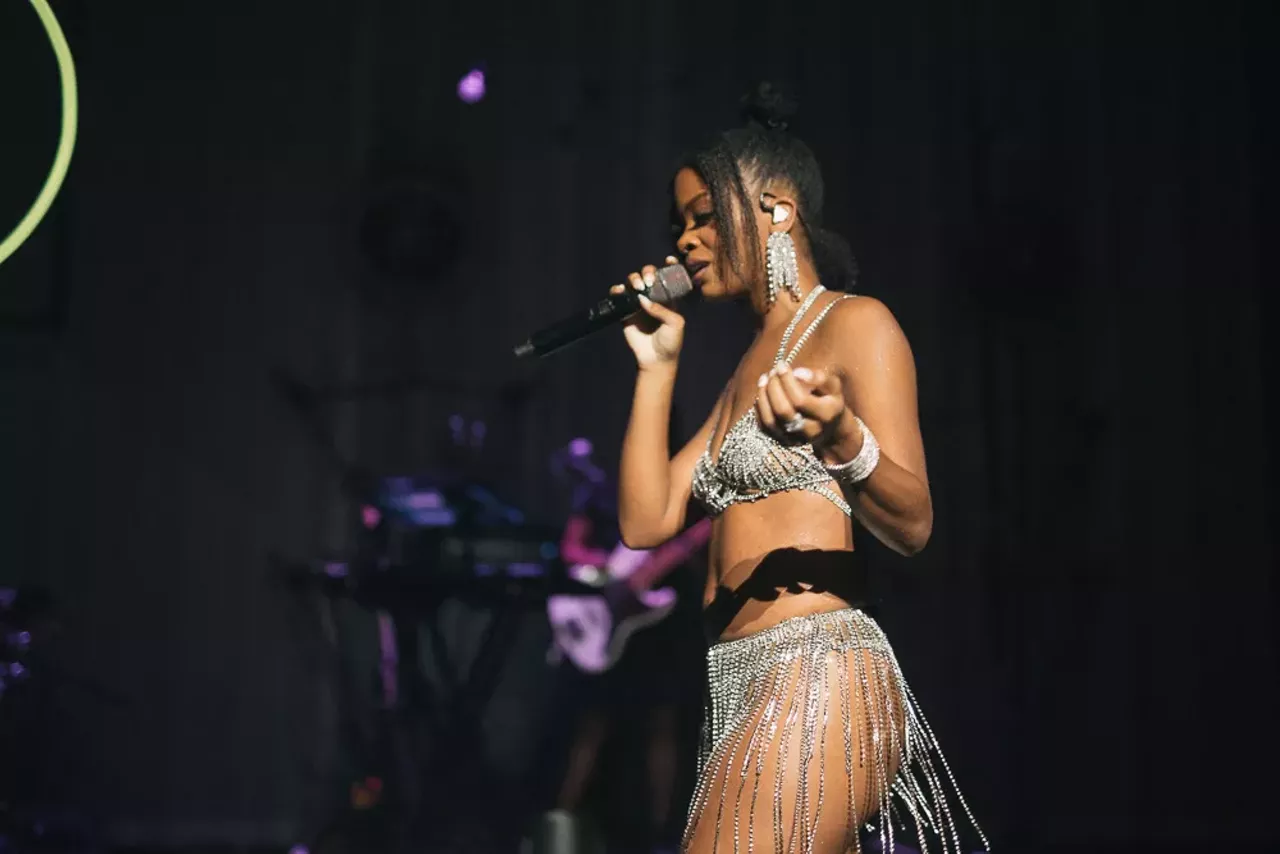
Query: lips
[(696, 267)]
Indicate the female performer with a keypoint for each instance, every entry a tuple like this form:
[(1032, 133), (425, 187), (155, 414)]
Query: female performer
[(812, 732)]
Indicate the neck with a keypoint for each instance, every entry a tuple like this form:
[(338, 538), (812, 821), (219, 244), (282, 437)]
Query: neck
[(776, 317)]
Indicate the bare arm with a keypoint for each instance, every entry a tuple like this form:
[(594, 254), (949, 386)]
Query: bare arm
[(873, 377), (879, 386), (669, 555), (653, 487)]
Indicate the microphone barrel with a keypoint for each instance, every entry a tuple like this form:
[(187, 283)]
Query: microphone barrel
[(672, 284)]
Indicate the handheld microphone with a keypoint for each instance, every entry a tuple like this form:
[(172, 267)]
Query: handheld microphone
[(671, 284)]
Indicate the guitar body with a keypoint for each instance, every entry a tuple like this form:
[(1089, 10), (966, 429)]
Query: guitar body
[(592, 630)]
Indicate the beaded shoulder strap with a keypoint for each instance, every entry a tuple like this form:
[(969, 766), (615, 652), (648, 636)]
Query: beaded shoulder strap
[(789, 357)]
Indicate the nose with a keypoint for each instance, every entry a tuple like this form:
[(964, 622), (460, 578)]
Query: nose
[(686, 244)]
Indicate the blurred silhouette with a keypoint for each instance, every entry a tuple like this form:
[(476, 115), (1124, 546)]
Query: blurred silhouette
[(636, 658)]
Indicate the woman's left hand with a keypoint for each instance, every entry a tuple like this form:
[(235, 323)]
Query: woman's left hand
[(810, 403)]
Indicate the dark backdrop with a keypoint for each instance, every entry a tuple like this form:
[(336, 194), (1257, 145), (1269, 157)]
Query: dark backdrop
[(1064, 203)]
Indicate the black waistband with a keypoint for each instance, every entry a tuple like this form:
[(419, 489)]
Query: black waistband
[(840, 573)]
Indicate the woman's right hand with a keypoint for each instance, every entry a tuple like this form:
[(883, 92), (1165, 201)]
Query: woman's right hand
[(655, 335)]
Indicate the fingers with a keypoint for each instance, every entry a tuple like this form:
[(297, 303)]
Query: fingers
[(671, 261), (641, 282), (795, 393), (644, 279), (822, 383), (764, 412), (661, 312), (807, 398), (780, 401), (785, 393)]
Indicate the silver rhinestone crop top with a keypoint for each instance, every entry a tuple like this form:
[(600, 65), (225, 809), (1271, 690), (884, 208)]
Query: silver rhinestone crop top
[(752, 464)]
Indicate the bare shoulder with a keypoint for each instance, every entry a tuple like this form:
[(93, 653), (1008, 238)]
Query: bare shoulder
[(862, 325)]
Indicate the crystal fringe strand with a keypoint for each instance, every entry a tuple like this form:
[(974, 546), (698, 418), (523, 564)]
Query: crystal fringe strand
[(793, 686)]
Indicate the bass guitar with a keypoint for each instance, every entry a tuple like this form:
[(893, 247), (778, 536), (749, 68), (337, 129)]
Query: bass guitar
[(592, 630)]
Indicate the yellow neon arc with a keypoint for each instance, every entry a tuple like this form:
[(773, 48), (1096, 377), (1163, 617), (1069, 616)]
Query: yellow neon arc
[(66, 141)]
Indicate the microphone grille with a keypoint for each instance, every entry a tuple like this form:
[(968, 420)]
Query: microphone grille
[(672, 284)]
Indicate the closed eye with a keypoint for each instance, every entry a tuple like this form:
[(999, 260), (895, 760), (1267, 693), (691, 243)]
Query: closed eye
[(700, 220)]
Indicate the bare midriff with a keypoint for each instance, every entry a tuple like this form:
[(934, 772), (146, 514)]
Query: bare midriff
[(746, 533)]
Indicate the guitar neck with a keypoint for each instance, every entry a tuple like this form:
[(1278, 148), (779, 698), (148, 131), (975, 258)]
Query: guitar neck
[(658, 563)]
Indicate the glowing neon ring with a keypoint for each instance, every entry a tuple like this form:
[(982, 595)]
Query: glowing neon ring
[(66, 141)]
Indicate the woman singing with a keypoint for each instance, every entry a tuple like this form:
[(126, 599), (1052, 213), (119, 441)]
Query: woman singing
[(812, 732)]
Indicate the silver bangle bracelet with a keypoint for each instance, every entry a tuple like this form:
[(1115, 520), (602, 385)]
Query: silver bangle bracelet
[(860, 467)]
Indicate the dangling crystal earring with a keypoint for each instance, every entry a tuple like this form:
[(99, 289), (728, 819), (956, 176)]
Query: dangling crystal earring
[(784, 271), (771, 295)]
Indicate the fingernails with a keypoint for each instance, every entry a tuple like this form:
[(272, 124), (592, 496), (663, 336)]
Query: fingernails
[(644, 300), (782, 368), (763, 381), (803, 374), (649, 279)]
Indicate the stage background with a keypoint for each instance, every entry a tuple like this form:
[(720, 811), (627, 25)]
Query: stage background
[(1065, 204)]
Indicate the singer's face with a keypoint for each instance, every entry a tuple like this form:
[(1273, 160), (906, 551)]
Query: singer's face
[(699, 234)]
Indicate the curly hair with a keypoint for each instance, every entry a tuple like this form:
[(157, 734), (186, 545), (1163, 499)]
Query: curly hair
[(765, 151)]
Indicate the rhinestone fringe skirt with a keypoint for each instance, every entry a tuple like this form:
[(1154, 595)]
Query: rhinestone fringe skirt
[(812, 734)]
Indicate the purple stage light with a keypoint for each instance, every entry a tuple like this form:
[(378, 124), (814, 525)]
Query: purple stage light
[(471, 86), (580, 448)]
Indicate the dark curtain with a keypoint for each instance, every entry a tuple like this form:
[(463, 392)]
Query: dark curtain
[(1066, 205)]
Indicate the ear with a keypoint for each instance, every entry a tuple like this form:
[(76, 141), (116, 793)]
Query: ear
[(781, 210)]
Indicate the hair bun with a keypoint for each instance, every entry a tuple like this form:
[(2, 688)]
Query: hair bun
[(769, 105)]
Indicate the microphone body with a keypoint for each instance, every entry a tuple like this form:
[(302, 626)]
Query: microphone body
[(672, 284)]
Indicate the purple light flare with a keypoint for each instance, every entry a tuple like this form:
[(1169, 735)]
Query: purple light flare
[(471, 86)]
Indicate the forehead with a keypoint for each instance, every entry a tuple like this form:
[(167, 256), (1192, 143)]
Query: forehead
[(688, 186)]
